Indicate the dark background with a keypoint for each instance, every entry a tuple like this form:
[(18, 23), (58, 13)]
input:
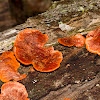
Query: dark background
[(6, 20)]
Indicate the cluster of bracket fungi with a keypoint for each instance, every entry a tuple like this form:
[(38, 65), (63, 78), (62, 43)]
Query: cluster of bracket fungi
[(29, 49), (92, 41)]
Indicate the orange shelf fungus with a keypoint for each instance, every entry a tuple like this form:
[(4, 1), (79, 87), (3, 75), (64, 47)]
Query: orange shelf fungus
[(13, 91), (90, 34), (93, 41), (78, 40), (94, 33), (28, 49), (67, 99), (8, 67)]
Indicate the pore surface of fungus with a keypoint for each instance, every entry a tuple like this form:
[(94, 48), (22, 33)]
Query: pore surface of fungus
[(13, 91), (93, 41), (28, 49), (8, 67), (78, 40)]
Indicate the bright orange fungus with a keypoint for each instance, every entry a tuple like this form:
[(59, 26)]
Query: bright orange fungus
[(28, 49), (13, 91), (8, 67), (93, 41), (78, 40), (67, 99)]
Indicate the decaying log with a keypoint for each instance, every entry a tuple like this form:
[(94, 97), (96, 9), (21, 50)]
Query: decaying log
[(78, 77), (73, 91)]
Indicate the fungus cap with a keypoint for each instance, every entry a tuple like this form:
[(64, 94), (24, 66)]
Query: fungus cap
[(13, 91), (28, 49), (66, 41), (25, 43), (67, 99), (78, 40), (8, 67), (90, 34), (94, 33), (93, 42)]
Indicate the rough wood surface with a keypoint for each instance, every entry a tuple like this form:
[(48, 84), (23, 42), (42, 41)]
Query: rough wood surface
[(78, 77)]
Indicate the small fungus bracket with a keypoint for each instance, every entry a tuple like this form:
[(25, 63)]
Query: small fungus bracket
[(8, 67)]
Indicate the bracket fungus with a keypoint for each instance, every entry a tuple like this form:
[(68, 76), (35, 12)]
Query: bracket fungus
[(67, 99), (93, 41), (78, 40), (8, 67), (13, 91), (28, 49)]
